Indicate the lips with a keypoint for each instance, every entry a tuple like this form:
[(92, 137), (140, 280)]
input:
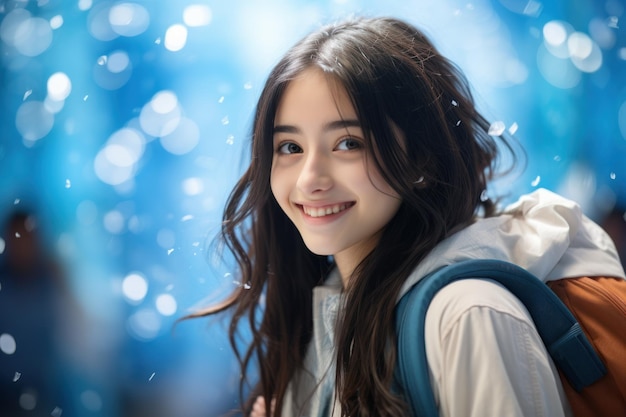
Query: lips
[(326, 210)]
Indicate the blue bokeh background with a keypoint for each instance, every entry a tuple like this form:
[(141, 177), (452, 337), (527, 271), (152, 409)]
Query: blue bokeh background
[(123, 126)]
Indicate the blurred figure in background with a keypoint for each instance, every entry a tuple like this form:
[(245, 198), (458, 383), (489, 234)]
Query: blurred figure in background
[(32, 293)]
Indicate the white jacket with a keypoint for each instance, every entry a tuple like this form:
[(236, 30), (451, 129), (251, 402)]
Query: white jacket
[(483, 351)]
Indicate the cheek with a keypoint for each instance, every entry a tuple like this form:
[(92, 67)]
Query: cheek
[(377, 182), (278, 186)]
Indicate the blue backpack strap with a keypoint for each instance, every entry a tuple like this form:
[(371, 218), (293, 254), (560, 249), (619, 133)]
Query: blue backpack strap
[(567, 344)]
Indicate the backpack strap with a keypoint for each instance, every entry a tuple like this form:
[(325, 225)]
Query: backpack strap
[(561, 334)]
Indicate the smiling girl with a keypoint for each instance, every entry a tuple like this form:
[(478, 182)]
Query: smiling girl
[(369, 169)]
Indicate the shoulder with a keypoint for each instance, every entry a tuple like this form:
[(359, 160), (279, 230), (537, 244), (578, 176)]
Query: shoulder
[(479, 298)]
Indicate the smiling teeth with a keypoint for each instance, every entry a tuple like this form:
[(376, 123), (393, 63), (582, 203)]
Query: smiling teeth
[(324, 211)]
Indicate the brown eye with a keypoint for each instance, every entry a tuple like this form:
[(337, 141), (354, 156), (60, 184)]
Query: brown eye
[(289, 148), (349, 144)]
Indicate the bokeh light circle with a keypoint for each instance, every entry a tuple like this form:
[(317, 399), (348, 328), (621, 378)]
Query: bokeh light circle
[(33, 36), (33, 120), (113, 71), (59, 86), (585, 53), (129, 19), (196, 15), (10, 24), (560, 72), (166, 304), (183, 139), (98, 23), (114, 222), (144, 325), (135, 287), (175, 37), (193, 186), (107, 168), (161, 115), (555, 36), (579, 45), (8, 345), (621, 119), (129, 143)]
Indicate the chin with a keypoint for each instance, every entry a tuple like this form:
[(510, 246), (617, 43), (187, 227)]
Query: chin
[(321, 250)]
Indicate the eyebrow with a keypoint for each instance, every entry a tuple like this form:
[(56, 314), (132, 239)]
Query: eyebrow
[(334, 125)]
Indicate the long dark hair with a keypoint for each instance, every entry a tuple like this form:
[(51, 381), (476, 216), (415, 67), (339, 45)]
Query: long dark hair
[(431, 145)]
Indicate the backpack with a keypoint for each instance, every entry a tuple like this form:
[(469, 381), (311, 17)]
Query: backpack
[(581, 321)]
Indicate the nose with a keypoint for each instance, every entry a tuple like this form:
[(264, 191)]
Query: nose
[(316, 173)]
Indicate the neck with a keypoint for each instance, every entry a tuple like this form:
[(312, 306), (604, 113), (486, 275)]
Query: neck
[(346, 266)]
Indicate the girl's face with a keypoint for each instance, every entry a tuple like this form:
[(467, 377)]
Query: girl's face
[(320, 176)]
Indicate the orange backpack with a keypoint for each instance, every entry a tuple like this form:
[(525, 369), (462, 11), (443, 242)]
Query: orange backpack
[(599, 305)]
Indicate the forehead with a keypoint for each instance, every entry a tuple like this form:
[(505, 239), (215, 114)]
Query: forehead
[(314, 95)]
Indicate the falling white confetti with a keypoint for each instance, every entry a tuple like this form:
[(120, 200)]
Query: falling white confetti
[(225, 120), (230, 139), (458, 123), (86, 97), (102, 60), (484, 196), (536, 181), (557, 158), (16, 201), (157, 41), (18, 235), (221, 100), (68, 183), (496, 128), (186, 218), (247, 86), (454, 103), (151, 376), (17, 376), (513, 128), (246, 286), (169, 251), (612, 175), (56, 412), (27, 94)]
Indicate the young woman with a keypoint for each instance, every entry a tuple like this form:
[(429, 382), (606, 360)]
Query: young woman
[(369, 169)]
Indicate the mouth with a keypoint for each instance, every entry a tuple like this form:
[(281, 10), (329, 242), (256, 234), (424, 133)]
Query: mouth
[(326, 210)]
